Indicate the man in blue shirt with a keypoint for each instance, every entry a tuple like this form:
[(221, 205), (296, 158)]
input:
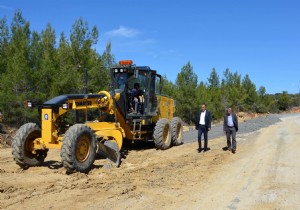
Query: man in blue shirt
[(230, 127)]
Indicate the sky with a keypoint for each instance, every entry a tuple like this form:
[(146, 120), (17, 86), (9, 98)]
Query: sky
[(260, 38)]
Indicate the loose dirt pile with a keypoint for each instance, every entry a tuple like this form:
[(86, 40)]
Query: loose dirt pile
[(6, 135)]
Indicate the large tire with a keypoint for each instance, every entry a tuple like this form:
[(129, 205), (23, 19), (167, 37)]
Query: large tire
[(22, 146), (176, 131), (162, 135), (78, 150)]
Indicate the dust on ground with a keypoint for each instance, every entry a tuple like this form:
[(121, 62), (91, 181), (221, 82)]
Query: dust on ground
[(263, 174)]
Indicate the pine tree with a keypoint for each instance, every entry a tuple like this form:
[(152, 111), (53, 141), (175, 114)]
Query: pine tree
[(17, 82), (66, 79), (213, 80), (232, 91), (4, 44), (263, 100), (107, 61), (214, 90), (202, 96), (186, 83), (283, 101), (249, 90), (169, 88), (47, 72), (83, 57)]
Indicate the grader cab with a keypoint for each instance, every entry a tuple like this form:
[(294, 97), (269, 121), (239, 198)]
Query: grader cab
[(134, 110)]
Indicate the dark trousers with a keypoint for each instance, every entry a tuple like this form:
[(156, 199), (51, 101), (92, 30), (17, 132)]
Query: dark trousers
[(231, 132), (202, 129)]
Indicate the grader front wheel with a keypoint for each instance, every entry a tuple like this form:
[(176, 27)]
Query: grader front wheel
[(83, 148), (23, 146), (78, 149)]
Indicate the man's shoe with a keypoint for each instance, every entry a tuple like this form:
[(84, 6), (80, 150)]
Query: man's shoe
[(233, 151), (199, 150), (225, 148), (206, 149)]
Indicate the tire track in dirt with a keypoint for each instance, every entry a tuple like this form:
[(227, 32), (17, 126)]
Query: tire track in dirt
[(143, 175)]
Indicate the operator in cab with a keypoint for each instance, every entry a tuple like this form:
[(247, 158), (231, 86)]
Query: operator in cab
[(137, 97)]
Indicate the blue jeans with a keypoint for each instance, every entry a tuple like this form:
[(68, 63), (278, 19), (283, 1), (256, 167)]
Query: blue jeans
[(202, 129)]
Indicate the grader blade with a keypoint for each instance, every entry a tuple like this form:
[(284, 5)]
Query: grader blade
[(110, 150)]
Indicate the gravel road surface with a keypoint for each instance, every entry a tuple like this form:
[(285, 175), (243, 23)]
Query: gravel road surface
[(244, 128)]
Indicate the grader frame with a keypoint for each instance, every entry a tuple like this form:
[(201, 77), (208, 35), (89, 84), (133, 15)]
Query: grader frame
[(81, 143)]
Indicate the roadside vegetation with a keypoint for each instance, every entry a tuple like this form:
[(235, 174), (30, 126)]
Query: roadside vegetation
[(41, 65)]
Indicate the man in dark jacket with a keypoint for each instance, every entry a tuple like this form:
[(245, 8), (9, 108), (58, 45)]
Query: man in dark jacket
[(230, 127), (203, 125)]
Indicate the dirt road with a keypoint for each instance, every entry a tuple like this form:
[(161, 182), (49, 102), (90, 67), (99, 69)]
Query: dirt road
[(263, 174)]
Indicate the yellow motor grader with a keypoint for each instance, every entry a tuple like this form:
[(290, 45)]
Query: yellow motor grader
[(117, 121)]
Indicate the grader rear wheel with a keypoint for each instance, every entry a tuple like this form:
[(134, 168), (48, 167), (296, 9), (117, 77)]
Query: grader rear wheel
[(78, 149), (161, 135), (176, 131), (23, 146)]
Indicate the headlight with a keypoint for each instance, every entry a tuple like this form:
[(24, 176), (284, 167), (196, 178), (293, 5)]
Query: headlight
[(29, 104)]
